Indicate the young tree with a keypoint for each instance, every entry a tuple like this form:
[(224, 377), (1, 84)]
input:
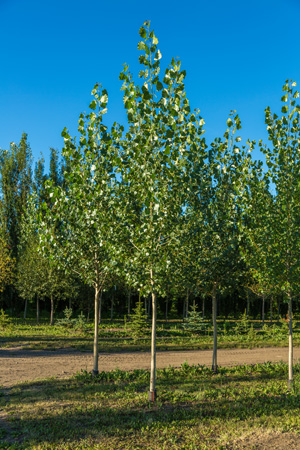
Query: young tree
[(162, 135), (280, 219), (75, 229), (215, 216)]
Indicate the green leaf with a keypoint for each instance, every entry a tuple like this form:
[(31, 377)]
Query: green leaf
[(155, 40), (284, 109), (143, 32)]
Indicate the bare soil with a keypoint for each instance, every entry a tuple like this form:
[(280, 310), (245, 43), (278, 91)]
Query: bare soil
[(18, 365)]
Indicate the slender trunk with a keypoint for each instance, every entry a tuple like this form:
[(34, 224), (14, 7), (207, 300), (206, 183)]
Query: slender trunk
[(112, 306), (263, 310), (187, 303), (203, 307), (214, 315), (52, 311), (100, 309), (96, 331), (25, 308), (128, 300), (166, 312), (152, 391), (70, 303), (278, 308), (271, 309), (248, 304), (183, 311), (37, 309), (146, 308), (290, 380)]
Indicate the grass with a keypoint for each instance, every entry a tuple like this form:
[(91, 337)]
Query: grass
[(195, 410), (114, 337)]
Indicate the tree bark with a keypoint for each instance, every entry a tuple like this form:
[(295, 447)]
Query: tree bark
[(25, 308), (96, 330), (290, 380), (37, 309), (52, 311), (187, 303), (152, 391), (128, 300), (263, 309), (100, 309), (271, 309), (203, 307), (166, 311), (278, 308), (248, 304), (214, 315), (112, 305)]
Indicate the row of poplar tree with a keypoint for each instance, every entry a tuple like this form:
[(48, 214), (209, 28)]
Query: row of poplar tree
[(155, 206)]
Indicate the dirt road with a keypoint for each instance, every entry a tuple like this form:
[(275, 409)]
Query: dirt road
[(18, 365)]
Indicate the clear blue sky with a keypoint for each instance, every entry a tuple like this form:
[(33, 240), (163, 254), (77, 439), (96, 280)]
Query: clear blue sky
[(237, 55)]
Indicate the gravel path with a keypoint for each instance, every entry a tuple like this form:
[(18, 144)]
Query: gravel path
[(19, 365)]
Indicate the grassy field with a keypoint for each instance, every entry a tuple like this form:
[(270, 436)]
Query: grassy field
[(237, 408), (114, 336)]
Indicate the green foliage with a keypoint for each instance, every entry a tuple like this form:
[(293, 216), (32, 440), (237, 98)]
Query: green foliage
[(78, 323), (138, 321), (243, 324), (194, 323), (5, 320)]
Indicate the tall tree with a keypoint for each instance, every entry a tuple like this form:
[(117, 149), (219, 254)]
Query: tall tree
[(215, 216), (15, 184), (153, 172), (75, 228), (280, 219)]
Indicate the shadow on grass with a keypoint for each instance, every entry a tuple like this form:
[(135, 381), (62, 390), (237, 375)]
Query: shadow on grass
[(119, 412)]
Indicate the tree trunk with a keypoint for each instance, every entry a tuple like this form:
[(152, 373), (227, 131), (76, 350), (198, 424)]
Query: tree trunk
[(263, 310), (128, 302), (25, 308), (166, 311), (248, 304), (203, 307), (152, 391), (98, 295), (52, 311), (187, 303), (112, 305), (278, 308), (146, 307), (271, 309), (70, 303), (290, 380), (100, 308), (214, 315), (37, 309), (183, 311)]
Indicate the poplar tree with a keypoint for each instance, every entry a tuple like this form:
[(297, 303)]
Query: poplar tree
[(281, 219), (163, 138), (216, 214), (75, 228)]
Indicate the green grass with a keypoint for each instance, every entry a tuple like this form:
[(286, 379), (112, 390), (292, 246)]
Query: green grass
[(195, 409), (114, 337)]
